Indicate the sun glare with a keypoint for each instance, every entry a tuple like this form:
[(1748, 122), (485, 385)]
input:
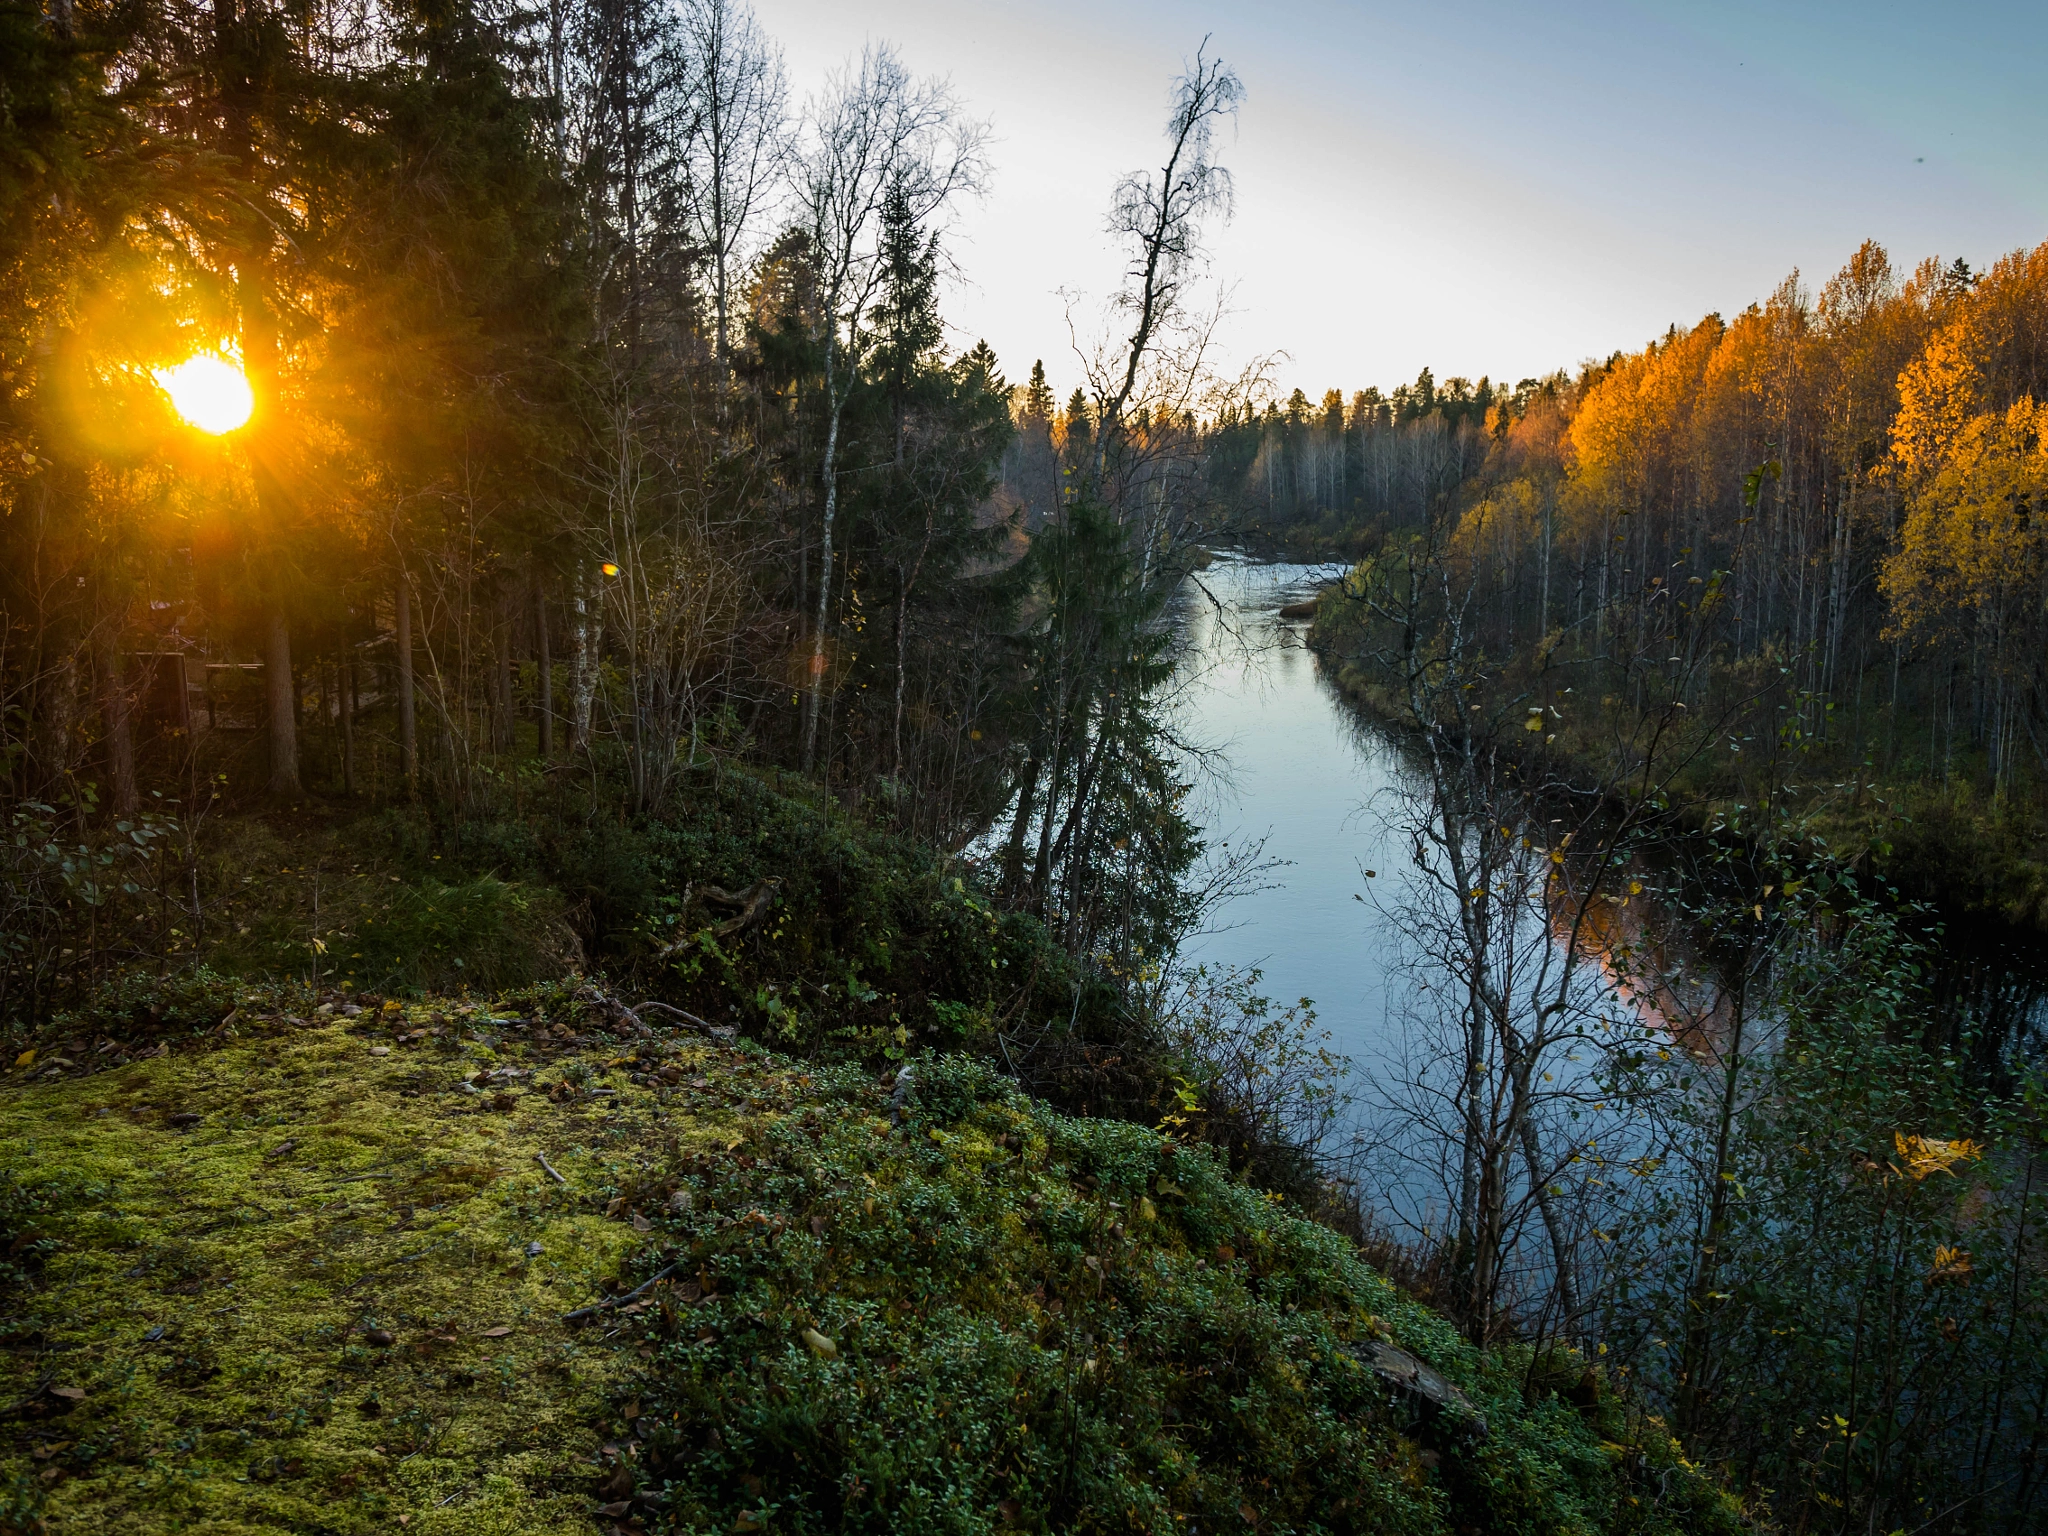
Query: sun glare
[(208, 391)]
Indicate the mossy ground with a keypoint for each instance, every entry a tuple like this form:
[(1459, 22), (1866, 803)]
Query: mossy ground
[(956, 1311), (212, 1287)]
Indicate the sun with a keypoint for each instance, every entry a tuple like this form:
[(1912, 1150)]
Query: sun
[(208, 391)]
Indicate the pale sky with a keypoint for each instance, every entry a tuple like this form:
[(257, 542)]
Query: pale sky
[(1487, 188)]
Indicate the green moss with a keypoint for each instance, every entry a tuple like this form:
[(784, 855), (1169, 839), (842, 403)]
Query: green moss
[(210, 1287), (965, 1312)]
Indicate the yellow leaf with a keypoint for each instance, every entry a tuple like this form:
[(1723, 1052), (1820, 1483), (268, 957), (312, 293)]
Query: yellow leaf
[(25, 1057), (1924, 1155), (1951, 1267), (819, 1345)]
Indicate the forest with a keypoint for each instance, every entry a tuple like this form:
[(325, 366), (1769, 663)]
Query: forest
[(547, 697), (1824, 504), (1713, 666), (599, 426)]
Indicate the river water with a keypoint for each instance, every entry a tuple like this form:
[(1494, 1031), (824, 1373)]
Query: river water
[(1285, 758)]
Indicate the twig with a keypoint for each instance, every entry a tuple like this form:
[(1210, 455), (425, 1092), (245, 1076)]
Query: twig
[(542, 1158), (585, 1314), (681, 1013)]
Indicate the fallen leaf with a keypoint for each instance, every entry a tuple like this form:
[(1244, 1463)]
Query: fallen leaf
[(819, 1345), (495, 1333), (26, 1058), (641, 1223), (614, 1510), (69, 1394), (1009, 1509), (380, 1050), (184, 1118), (379, 1338)]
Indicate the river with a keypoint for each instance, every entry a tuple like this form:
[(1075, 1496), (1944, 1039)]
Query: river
[(1289, 760)]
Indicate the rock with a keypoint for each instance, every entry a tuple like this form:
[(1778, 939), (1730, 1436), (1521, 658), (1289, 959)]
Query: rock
[(1423, 1387), (379, 1338)]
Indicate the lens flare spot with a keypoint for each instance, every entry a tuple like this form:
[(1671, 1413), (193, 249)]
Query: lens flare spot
[(208, 391)]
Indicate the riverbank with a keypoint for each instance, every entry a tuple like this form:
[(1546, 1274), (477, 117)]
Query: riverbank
[(1946, 845)]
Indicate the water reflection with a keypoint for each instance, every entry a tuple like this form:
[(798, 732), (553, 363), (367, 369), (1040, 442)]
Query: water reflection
[(1288, 759)]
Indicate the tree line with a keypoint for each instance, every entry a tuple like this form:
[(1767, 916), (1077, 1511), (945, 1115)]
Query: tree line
[(604, 423), (1832, 497)]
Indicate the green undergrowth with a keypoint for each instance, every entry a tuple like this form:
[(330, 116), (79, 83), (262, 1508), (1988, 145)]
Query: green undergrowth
[(308, 1272), (861, 941)]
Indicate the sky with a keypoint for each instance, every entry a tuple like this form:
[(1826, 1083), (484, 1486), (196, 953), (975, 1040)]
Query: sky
[(1485, 188)]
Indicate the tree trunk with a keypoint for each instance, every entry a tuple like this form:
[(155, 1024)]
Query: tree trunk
[(504, 728), (348, 724), (896, 719), (582, 664), (1707, 1259), (114, 713), (56, 720), (816, 693), (544, 679), (281, 695), (1013, 855), (408, 715)]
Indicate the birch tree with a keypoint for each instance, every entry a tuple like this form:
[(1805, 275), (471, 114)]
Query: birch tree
[(874, 131), (738, 140)]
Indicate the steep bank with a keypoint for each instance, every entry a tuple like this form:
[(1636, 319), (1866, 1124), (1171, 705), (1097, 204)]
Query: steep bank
[(302, 1271)]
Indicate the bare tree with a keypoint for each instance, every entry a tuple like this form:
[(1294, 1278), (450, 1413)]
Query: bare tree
[(1162, 219), (874, 131), (738, 138)]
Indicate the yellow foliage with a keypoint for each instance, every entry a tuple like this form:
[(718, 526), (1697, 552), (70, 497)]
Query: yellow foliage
[(1951, 1267), (1971, 546), (1923, 1155), (1940, 395)]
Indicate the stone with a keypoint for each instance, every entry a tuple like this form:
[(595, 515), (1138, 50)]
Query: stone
[(1422, 1387)]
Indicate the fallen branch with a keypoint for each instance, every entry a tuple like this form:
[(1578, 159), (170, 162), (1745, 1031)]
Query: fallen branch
[(681, 1013), (585, 1314), (542, 1159)]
